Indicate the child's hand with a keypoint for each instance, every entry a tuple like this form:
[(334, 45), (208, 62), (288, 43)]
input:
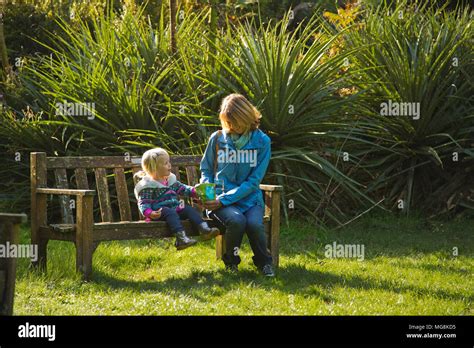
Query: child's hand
[(156, 214)]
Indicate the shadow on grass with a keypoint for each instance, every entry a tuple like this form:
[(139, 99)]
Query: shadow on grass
[(292, 279)]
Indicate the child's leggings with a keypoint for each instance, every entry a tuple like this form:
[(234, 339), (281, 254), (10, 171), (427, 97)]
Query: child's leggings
[(173, 218)]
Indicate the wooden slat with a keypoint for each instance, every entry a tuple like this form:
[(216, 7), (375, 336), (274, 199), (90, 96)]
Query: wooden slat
[(136, 224), (183, 161), (136, 230), (112, 161), (49, 233), (271, 187), (103, 194), (55, 191), (60, 176), (13, 218), (113, 230), (175, 171), (63, 228), (191, 173), (81, 178), (69, 228), (135, 181), (122, 195)]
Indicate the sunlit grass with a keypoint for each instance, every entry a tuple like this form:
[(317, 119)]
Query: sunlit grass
[(409, 268)]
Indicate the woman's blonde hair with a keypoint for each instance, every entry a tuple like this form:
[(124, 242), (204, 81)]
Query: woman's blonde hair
[(237, 112), (150, 161)]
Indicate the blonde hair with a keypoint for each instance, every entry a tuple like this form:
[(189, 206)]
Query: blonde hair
[(237, 111), (150, 161)]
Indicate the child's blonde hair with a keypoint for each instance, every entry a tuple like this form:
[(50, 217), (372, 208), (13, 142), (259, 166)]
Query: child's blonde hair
[(237, 111), (150, 161)]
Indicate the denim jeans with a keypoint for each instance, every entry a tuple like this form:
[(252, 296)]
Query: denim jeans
[(173, 218), (236, 224)]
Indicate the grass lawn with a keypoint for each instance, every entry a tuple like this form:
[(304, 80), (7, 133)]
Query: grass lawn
[(409, 269)]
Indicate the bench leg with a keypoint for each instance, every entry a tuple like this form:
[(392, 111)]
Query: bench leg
[(220, 246), (87, 262), (84, 239), (42, 254), (8, 273), (275, 247), (275, 228), (42, 243), (78, 243)]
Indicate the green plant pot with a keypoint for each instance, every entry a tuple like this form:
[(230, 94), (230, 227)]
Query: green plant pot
[(206, 192)]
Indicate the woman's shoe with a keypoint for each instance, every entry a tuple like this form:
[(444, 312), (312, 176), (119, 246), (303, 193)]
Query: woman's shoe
[(268, 271), (207, 232), (183, 241)]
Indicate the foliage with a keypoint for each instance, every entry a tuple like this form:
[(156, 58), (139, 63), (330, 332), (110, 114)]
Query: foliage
[(422, 55)]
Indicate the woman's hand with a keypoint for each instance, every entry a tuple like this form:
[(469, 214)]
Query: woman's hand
[(212, 205), (198, 202), (156, 214)]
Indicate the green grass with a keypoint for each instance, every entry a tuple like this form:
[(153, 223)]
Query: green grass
[(408, 269)]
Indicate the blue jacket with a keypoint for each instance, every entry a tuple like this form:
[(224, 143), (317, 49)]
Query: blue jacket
[(238, 178)]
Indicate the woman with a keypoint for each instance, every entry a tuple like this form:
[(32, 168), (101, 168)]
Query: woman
[(236, 160)]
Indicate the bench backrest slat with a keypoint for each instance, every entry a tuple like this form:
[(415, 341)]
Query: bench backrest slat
[(135, 181), (175, 171), (103, 194), (60, 176), (81, 178), (191, 173), (113, 162), (122, 195)]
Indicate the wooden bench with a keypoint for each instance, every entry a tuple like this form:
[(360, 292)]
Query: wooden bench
[(100, 190), (9, 232)]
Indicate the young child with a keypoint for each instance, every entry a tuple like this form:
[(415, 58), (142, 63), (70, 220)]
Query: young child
[(157, 196)]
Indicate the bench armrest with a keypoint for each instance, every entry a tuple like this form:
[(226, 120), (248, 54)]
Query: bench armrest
[(13, 218), (271, 187), (73, 192)]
